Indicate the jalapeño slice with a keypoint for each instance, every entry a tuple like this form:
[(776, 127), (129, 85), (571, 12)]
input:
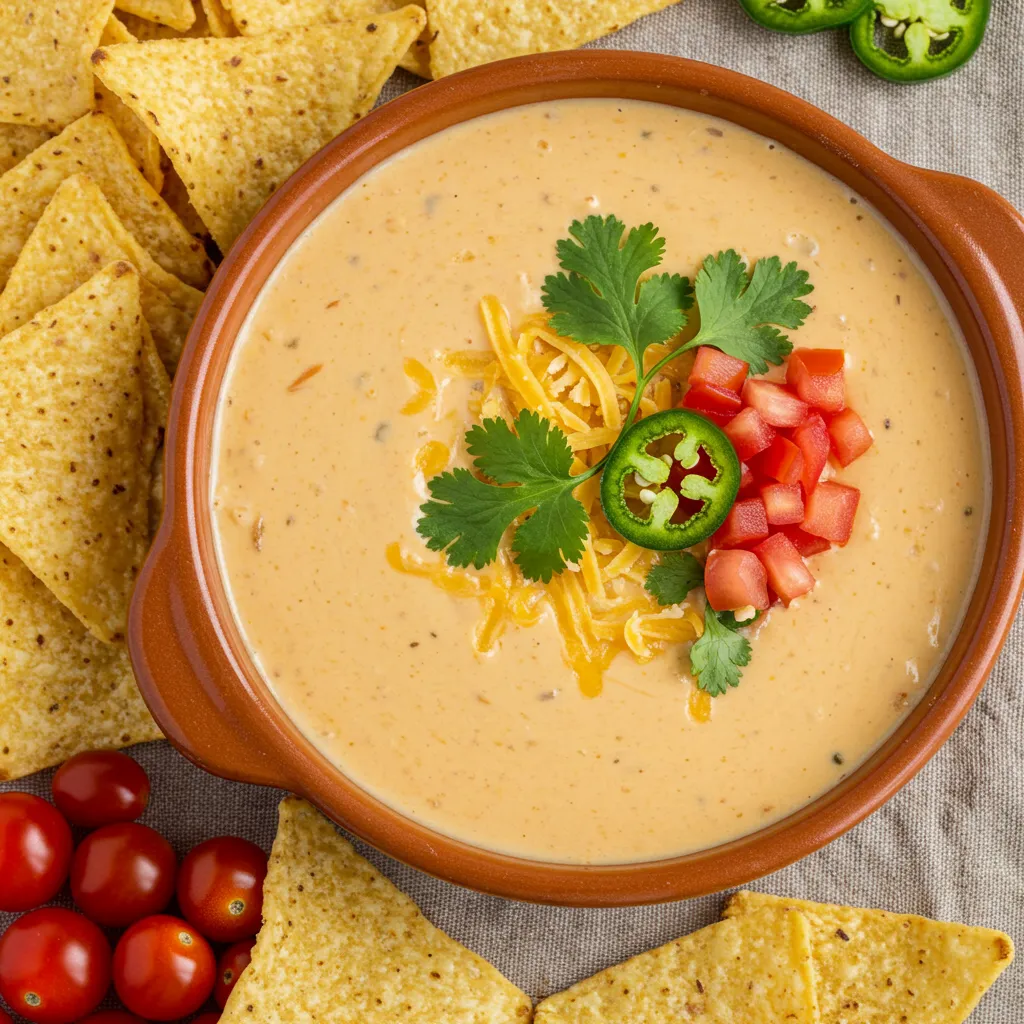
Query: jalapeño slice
[(640, 463), (798, 17), (916, 40)]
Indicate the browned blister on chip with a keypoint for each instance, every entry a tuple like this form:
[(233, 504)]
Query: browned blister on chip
[(92, 146), (756, 971), (176, 14), (45, 77), (340, 943), (238, 116), (74, 484), (465, 33), (62, 691), (17, 141), (873, 967)]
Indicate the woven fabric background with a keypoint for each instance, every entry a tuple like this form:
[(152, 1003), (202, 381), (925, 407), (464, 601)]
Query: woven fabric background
[(950, 845)]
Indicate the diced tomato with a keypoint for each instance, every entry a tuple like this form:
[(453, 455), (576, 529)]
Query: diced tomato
[(811, 437), (734, 580), (817, 375), (749, 434), (746, 523), (830, 511), (850, 436), (718, 404), (783, 461), (777, 406), (714, 367), (783, 503), (748, 482), (787, 574), (806, 544)]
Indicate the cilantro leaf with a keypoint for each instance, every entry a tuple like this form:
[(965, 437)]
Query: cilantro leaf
[(467, 517), (717, 657), (675, 575), (601, 301), (742, 316)]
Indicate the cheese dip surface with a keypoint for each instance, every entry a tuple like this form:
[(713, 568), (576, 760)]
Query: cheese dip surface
[(316, 477)]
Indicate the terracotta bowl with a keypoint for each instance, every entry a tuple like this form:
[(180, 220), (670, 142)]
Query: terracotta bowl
[(188, 654)]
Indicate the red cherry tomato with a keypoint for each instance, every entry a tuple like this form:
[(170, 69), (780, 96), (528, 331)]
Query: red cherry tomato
[(163, 968), (54, 966), (210, 1017), (122, 873), (35, 851), (112, 1017), (220, 888), (232, 962), (101, 787), (5, 1017)]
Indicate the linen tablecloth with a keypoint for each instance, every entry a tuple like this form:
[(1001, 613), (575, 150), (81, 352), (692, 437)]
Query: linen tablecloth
[(951, 844)]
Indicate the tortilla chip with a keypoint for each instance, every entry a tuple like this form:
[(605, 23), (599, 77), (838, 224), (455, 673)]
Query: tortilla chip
[(757, 972), (45, 77), (62, 691), (175, 195), (78, 233), (179, 14), (91, 145), (17, 141), (889, 967), (74, 491), (141, 142), (238, 116), (341, 945), (471, 32), (254, 17), (145, 31), (219, 19)]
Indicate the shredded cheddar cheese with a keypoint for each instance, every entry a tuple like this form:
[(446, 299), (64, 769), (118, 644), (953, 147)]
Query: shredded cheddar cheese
[(600, 605)]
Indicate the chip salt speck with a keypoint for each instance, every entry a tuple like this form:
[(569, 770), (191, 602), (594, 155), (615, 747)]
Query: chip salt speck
[(93, 146), (238, 116), (341, 944)]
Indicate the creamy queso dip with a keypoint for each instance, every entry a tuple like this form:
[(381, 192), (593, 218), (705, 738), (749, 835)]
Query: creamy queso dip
[(314, 480)]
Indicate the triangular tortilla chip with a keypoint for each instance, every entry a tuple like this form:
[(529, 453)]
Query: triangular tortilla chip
[(238, 116), (889, 967), (17, 141), (92, 146), (79, 233), (341, 945), (254, 17), (175, 195), (219, 19), (45, 77), (74, 492), (177, 14), (471, 32), (62, 691), (141, 142), (156, 392), (758, 971), (144, 30)]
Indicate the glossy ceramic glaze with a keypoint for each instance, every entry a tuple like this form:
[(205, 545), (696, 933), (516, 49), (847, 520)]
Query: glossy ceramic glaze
[(192, 663)]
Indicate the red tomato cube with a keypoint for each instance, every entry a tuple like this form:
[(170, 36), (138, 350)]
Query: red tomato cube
[(718, 404), (714, 367), (748, 482), (787, 574), (812, 438), (734, 580), (783, 503), (817, 375), (746, 523), (777, 406), (749, 434), (783, 461), (830, 511), (806, 544), (850, 436)]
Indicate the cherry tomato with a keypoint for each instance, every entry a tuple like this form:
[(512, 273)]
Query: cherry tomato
[(163, 968), (112, 1017), (210, 1017), (232, 962), (101, 787), (5, 1017), (54, 966), (220, 888), (35, 851), (123, 872)]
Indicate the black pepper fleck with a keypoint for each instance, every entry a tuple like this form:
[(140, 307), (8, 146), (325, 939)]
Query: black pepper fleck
[(838, 758)]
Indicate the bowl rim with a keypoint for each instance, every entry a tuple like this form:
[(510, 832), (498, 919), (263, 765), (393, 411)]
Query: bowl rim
[(191, 664)]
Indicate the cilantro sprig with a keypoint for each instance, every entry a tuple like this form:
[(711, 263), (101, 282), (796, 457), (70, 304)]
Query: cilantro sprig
[(673, 577)]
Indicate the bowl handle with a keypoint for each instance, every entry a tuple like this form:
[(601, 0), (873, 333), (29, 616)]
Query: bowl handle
[(165, 642)]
